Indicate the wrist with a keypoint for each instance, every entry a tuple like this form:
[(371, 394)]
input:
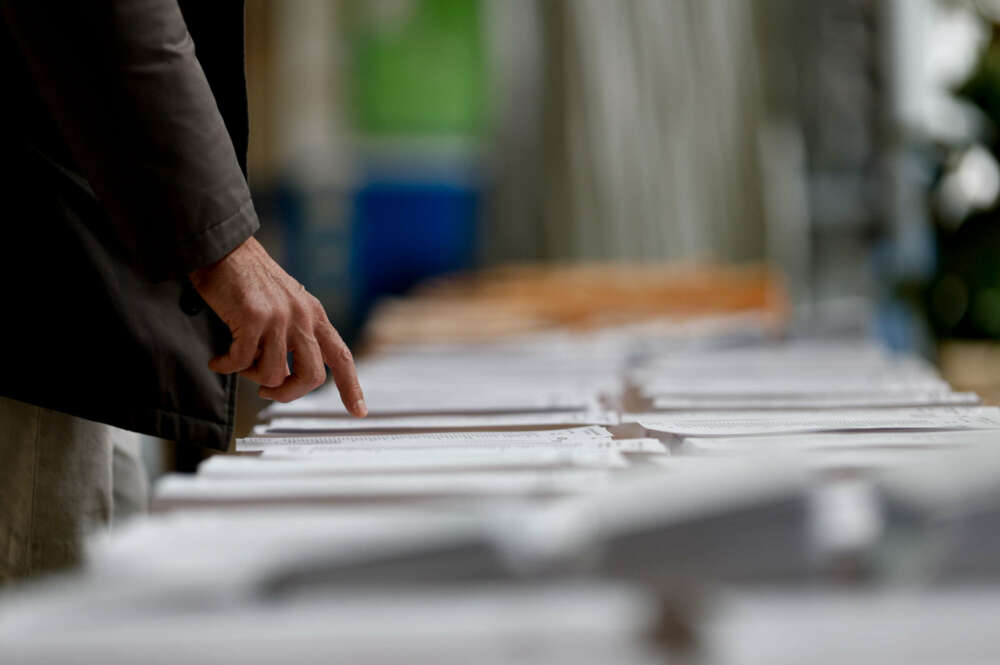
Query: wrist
[(200, 276)]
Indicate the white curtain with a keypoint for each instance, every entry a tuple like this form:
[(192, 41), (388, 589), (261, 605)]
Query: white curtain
[(647, 143)]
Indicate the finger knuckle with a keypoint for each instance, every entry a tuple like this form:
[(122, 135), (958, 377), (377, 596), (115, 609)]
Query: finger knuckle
[(298, 311), (344, 354), (256, 311), (272, 378), (316, 307), (316, 378), (281, 314)]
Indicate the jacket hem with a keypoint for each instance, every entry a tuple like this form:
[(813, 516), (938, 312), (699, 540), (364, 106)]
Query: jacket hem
[(160, 423)]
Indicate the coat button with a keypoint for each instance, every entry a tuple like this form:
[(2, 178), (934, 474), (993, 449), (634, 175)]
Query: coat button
[(191, 302)]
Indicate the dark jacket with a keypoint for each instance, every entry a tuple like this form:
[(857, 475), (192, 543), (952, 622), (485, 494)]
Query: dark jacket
[(122, 168)]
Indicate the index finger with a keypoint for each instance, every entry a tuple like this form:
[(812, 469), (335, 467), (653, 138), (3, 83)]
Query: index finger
[(338, 357)]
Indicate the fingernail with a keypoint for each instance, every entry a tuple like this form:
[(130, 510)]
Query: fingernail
[(360, 408)]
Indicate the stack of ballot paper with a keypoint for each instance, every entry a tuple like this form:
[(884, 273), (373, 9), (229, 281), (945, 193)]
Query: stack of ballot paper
[(791, 377), (557, 498), (461, 389), (635, 527), (224, 553), (947, 510), (844, 438), (458, 381), (445, 423), (201, 490), (572, 438), (750, 423), (537, 420), (903, 441), (842, 405), (863, 627), (406, 468), (545, 624), (436, 423)]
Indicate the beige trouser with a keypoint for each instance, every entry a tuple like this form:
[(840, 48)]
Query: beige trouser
[(61, 478)]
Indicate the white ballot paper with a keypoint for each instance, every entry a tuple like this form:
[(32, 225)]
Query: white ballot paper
[(439, 422), (821, 459), (786, 376), (793, 626), (209, 550), (747, 423), (800, 356), (429, 439), (841, 441), (297, 450), (791, 384), (382, 460), (788, 402), (570, 623), (179, 490), (440, 399)]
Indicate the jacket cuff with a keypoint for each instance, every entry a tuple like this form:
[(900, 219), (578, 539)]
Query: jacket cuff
[(211, 244)]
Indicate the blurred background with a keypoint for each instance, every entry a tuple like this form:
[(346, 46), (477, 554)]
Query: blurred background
[(848, 143)]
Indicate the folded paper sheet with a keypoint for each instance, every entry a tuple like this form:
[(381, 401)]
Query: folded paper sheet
[(747, 423)]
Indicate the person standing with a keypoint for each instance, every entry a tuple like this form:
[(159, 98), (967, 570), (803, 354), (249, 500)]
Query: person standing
[(134, 290)]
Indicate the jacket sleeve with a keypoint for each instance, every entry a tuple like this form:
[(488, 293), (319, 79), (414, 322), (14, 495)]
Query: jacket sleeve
[(123, 84)]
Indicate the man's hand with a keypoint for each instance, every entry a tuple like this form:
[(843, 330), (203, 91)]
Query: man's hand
[(270, 314)]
